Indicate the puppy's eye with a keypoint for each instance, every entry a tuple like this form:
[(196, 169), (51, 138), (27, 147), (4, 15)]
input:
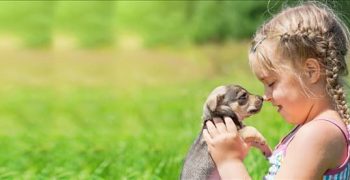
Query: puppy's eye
[(244, 96)]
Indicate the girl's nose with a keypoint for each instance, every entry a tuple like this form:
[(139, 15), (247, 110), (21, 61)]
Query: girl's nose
[(266, 98)]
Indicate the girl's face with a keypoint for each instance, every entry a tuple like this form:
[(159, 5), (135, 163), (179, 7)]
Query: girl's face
[(282, 88), (285, 92)]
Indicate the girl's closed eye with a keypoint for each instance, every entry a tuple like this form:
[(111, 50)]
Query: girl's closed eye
[(271, 84)]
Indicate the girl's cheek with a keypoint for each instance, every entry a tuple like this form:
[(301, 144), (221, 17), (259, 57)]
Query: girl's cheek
[(278, 95)]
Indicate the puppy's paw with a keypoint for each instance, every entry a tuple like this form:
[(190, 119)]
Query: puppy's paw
[(251, 134), (253, 137)]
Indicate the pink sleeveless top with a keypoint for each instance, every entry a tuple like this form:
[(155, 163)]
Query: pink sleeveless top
[(276, 159)]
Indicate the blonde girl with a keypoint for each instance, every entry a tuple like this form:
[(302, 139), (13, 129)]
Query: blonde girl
[(299, 56)]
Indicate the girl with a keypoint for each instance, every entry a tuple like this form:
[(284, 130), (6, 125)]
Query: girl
[(299, 56)]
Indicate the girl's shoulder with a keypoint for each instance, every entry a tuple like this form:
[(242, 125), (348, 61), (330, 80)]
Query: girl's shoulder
[(325, 139), (325, 129), (316, 147)]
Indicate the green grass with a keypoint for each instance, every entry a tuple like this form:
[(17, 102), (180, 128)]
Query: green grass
[(101, 115), (94, 132)]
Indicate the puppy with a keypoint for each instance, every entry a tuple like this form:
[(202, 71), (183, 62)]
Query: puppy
[(232, 101)]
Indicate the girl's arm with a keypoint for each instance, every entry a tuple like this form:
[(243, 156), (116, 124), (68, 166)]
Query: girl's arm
[(233, 169), (226, 148)]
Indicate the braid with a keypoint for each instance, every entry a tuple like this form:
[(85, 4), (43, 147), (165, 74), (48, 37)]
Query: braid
[(334, 86), (330, 57)]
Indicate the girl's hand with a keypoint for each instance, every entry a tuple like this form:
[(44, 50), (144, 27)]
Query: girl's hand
[(224, 142)]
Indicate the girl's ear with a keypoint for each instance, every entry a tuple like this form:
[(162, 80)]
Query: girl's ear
[(312, 70)]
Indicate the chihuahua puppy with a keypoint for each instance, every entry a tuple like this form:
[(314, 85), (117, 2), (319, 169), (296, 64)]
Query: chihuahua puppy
[(232, 101)]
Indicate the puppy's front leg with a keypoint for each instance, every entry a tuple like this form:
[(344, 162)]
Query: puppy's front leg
[(253, 137)]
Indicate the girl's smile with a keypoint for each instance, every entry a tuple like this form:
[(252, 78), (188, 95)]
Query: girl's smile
[(279, 108)]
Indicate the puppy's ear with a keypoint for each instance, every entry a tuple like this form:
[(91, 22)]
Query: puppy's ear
[(215, 97), (212, 103)]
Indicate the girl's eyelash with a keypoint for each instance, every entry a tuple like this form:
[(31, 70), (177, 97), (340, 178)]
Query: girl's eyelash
[(271, 84)]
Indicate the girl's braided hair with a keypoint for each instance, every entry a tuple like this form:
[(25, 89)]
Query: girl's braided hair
[(312, 30)]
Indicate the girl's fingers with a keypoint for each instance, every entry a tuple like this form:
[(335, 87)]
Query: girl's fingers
[(220, 125), (230, 125), (207, 136), (211, 129)]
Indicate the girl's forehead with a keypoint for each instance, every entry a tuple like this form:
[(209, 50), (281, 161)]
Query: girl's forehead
[(261, 70), (266, 62)]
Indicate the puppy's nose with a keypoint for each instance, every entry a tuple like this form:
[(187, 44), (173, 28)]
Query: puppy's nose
[(259, 101), (265, 98)]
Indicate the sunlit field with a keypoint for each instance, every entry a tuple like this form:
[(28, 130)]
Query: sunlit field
[(115, 89), (113, 114)]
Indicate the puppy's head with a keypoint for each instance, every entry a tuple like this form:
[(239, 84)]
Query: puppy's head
[(243, 103), (233, 98)]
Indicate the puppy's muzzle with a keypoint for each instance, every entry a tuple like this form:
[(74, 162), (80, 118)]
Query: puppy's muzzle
[(257, 105)]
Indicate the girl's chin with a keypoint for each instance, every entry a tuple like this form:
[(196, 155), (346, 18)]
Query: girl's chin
[(286, 117), (290, 120)]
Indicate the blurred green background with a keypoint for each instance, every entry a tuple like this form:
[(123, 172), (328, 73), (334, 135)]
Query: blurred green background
[(114, 89)]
